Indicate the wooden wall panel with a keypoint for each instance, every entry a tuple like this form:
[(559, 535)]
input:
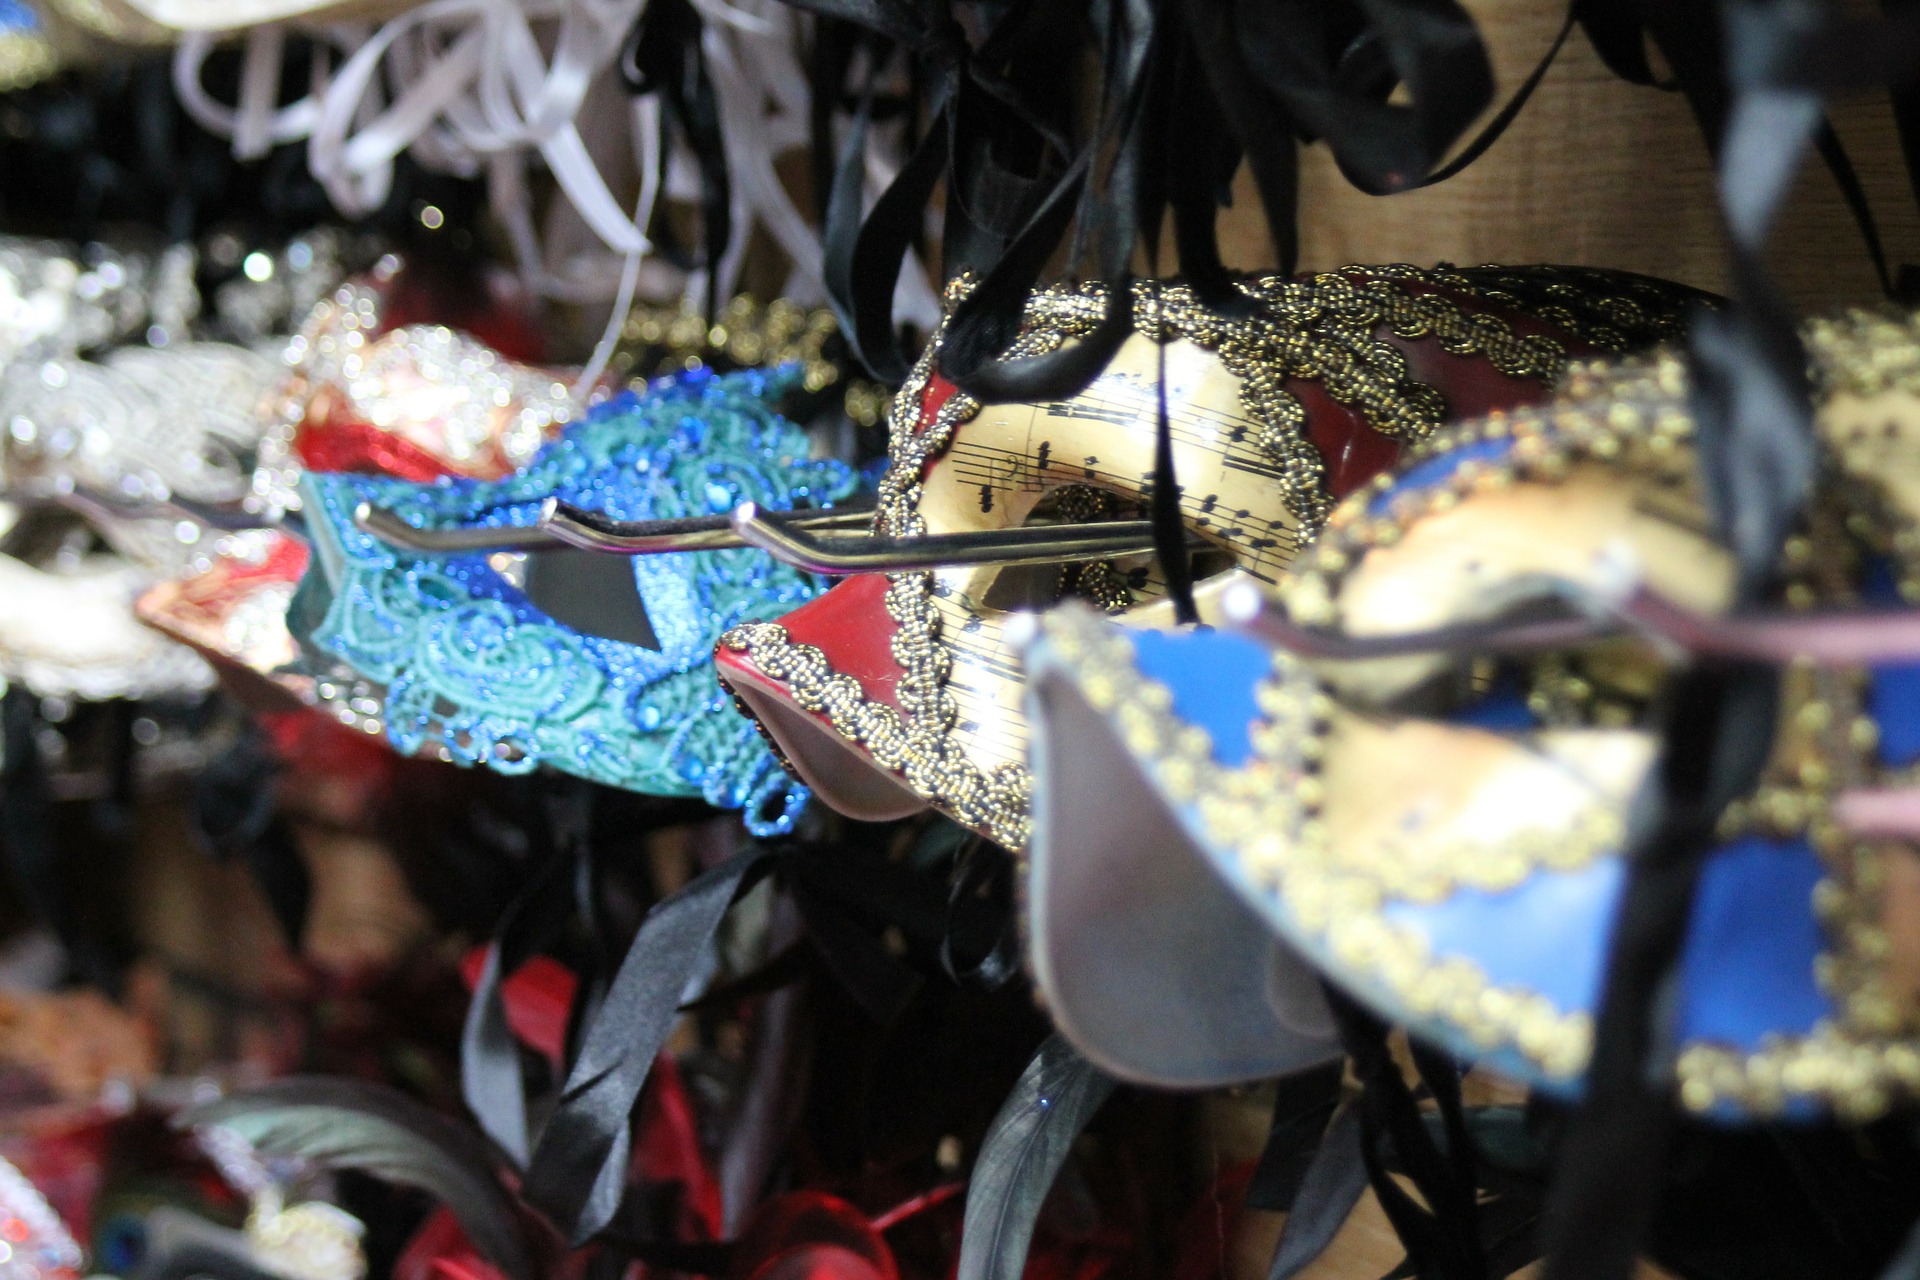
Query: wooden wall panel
[(1597, 172)]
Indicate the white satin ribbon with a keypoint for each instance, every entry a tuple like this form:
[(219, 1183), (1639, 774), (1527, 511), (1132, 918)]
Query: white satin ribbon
[(464, 85)]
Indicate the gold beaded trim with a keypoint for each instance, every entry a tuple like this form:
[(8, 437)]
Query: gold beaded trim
[(1257, 812), (916, 745), (1321, 329), (657, 340), (1254, 810), (1863, 351)]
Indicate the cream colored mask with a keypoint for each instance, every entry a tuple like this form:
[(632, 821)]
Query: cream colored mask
[(900, 690)]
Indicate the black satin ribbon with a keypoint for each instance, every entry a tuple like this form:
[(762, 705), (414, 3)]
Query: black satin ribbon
[(1177, 78), (663, 55), (491, 1081), (577, 1172), (976, 927), (1688, 34), (878, 983), (1605, 1191), (1753, 410), (968, 102), (1303, 1104), (1169, 526), (1442, 1237)]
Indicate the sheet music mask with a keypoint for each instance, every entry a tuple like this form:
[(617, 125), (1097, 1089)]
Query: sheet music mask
[(471, 666), (1447, 840), (892, 694)]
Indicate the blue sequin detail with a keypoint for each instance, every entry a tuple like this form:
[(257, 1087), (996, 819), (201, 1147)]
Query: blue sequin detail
[(469, 664)]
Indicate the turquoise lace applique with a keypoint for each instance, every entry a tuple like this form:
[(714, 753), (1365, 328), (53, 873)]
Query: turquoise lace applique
[(472, 666)]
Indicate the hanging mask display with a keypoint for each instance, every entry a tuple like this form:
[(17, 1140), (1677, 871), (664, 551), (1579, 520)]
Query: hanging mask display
[(899, 690), (1441, 828), (540, 654)]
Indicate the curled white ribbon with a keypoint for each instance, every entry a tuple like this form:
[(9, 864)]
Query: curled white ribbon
[(465, 87)]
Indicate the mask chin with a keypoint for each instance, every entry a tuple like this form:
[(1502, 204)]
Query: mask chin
[(1148, 961), (844, 779)]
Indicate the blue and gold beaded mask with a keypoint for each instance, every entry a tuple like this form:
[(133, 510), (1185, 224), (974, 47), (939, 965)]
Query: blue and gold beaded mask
[(474, 668), (1445, 835)]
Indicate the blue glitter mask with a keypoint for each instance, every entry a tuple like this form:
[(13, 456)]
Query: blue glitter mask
[(472, 666)]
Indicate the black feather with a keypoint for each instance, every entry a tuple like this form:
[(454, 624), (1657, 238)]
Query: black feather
[(1025, 1146), (353, 1124)]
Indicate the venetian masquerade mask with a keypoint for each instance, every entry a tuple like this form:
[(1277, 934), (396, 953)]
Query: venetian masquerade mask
[(417, 401), (598, 666), (1443, 832), (896, 691)]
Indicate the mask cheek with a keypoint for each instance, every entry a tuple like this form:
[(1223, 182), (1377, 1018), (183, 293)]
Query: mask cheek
[(1429, 807), (1877, 438)]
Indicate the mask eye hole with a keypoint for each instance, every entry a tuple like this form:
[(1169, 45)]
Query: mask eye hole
[(1606, 684), (591, 593)]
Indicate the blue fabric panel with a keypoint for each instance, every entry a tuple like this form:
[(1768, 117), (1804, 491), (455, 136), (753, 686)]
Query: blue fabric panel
[(1893, 692), (1212, 674), (1503, 708), (1748, 968), (1548, 935), (1893, 700), (1431, 471)]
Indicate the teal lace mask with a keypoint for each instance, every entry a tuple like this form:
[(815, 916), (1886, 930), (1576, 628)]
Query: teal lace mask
[(472, 666)]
